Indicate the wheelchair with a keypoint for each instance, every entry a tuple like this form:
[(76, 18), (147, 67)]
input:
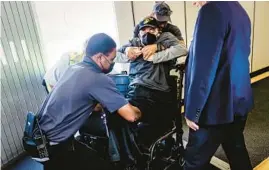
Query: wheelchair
[(165, 153)]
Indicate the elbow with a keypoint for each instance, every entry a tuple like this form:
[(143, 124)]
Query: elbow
[(183, 49), (185, 52)]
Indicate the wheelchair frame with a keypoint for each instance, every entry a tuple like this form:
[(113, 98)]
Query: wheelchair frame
[(178, 147), (176, 154)]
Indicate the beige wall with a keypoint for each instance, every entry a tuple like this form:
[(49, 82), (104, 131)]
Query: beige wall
[(257, 11), (261, 36)]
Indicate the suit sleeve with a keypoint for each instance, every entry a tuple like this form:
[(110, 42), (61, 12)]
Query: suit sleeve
[(209, 34)]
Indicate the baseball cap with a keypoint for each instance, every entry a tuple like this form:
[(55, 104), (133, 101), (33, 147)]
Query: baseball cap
[(162, 11), (148, 22)]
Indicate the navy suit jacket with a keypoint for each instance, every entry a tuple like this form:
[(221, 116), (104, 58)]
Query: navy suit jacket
[(217, 85)]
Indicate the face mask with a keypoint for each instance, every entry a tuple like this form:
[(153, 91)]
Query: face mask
[(109, 69), (148, 39), (111, 65)]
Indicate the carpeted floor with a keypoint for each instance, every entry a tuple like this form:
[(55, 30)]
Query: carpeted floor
[(257, 127)]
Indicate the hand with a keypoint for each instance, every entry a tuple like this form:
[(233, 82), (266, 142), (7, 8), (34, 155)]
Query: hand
[(192, 124), (133, 52), (98, 108), (138, 113), (149, 50), (150, 58), (181, 42)]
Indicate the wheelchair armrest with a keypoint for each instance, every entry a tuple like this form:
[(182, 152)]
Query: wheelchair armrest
[(180, 64)]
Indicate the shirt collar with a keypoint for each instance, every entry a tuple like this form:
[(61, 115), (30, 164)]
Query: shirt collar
[(90, 63)]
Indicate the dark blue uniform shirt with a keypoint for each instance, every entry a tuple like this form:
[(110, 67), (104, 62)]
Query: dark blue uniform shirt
[(74, 97)]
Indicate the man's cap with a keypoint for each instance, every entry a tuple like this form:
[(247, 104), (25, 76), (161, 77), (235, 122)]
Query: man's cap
[(162, 11), (148, 22)]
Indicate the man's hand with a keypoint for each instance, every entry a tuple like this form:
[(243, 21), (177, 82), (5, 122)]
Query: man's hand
[(149, 50), (150, 58), (132, 52), (129, 113), (192, 124)]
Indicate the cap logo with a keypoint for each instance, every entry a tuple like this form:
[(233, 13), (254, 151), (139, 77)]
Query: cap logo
[(147, 20)]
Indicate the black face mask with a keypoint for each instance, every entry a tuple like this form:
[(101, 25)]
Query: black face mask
[(149, 38)]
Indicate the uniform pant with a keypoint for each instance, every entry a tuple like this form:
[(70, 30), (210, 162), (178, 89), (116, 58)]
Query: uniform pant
[(202, 145), (62, 156), (76, 157)]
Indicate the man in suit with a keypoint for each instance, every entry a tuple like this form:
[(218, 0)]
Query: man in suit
[(218, 94)]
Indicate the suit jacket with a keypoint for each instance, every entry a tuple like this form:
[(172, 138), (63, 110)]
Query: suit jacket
[(217, 85)]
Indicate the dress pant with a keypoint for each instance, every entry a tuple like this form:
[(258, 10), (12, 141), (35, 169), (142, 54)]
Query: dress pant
[(202, 145)]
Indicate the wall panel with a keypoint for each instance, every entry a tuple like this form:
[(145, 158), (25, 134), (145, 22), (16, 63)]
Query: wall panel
[(261, 36), (22, 70)]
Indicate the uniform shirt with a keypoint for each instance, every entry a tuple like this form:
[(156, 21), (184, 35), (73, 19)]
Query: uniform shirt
[(154, 74), (74, 97)]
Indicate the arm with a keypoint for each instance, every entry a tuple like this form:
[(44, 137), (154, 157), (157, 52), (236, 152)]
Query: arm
[(123, 48), (121, 58), (173, 49), (175, 31), (209, 35), (129, 51), (169, 54), (106, 93), (129, 112)]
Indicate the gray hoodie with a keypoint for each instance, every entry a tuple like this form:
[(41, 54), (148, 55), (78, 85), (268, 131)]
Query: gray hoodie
[(153, 74)]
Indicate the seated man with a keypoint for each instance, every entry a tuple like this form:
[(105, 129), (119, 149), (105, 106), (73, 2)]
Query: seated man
[(150, 81), (53, 75)]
